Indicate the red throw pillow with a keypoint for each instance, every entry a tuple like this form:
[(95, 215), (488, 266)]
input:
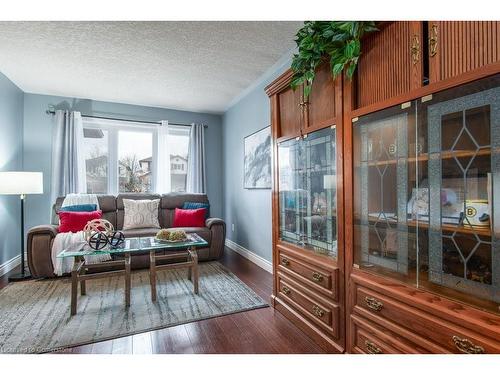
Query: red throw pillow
[(76, 221), (189, 218)]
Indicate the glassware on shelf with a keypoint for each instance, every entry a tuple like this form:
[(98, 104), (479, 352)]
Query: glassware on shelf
[(381, 185), (424, 208), (307, 192), (464, 130)]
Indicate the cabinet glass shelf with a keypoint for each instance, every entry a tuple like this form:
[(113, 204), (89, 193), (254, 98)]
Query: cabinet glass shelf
[(425, 178), (307, 192)]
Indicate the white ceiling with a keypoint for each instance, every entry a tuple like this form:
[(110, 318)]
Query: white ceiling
[(195, 66)]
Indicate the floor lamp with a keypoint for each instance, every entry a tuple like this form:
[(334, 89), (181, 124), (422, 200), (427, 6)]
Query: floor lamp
[(21, 183)]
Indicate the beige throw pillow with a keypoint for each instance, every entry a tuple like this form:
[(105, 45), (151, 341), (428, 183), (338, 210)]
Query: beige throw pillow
[(140, 213)]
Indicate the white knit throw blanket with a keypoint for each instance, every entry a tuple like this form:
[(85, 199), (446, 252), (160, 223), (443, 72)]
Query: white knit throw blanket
[(71, 242), (74, 199)]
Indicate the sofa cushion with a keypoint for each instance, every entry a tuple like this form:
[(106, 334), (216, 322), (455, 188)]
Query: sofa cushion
[(140, 232), (107, 204), (196, 205), (120, 213), (177, 200), (203, 232), (79, 208), (189, 218), (171, 201), (141, 213), (76, 221)]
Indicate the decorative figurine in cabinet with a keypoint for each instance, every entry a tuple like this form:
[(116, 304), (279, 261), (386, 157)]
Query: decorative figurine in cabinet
[(426, 174), (307, 191)]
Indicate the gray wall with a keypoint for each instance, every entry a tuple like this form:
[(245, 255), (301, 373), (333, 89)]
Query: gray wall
[(249, 210), (38, 142), (11, 159)]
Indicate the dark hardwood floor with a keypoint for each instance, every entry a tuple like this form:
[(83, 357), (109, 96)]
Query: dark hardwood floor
[(258, 331)]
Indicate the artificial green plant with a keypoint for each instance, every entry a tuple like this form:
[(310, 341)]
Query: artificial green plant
[(338, 42)]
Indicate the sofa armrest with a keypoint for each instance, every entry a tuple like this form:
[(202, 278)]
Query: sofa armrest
[(214, 221), (40, 250), (44, 229), (218, 229)]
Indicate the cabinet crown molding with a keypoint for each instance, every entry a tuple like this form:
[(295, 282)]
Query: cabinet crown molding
[(280, 83)]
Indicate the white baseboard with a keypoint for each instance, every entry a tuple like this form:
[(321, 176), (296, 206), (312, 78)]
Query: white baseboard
[(10, 265), (252, 257)]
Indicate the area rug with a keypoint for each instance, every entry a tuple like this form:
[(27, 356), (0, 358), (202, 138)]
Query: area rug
[(35, 315)]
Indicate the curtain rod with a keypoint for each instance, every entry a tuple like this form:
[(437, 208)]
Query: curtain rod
[(53, 112)]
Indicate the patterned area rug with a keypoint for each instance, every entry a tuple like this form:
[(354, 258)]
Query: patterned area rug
[(34, 315)]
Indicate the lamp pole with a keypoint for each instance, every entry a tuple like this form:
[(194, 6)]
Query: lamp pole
[(23, 275), (21, 183)]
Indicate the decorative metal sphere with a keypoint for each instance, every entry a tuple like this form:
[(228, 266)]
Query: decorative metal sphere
[(97, 225), (116, 239), (98, 241)]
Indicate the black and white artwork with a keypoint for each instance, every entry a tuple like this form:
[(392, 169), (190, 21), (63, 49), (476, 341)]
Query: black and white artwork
[(258, 160)]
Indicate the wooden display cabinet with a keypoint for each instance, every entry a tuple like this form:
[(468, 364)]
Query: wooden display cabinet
[(404, 254), (458, 47), (391, 63), (422, 263), (308, 260)]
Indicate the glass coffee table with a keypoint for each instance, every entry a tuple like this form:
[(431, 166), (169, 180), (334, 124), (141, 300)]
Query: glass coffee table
[(181, 255)]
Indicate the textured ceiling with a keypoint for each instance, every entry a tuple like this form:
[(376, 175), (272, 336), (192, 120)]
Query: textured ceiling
[(195, 66)]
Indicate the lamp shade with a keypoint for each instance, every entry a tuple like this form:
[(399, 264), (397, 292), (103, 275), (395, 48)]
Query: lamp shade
[(21, 183)]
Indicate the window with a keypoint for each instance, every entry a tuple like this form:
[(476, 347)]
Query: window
[(96, 160), (178, 144), (135, 155), (120, 156)]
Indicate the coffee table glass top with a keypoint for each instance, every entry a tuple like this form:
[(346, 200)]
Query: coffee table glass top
[(136, 245)]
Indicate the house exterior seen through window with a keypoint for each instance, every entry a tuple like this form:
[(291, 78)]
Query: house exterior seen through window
[(120, 156)]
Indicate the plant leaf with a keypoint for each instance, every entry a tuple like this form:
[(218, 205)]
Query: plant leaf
[(319, 41)]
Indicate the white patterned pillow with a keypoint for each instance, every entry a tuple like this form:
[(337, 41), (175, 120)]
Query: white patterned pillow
[(140, 213)]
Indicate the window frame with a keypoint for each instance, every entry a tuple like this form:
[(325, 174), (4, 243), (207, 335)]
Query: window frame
[(113, 127)]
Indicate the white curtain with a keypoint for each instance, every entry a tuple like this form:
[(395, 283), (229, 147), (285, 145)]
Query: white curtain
[(68, 159), (161, 163), (196, 175)]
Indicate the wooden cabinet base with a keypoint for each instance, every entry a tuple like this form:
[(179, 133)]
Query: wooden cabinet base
[(316, 334), (418, 318)]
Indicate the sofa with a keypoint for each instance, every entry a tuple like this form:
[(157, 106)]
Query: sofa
[(40, 238)]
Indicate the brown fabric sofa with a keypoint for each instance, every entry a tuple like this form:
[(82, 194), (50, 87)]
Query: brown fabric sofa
[(214, 232)]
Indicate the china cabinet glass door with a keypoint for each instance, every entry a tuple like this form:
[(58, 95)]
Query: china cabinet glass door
[(425, 179), (382, 239), (459, 177), (307, 192)]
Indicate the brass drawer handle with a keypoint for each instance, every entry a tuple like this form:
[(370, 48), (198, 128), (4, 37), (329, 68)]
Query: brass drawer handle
[(466, 346), (433, 40), (285, 261), (317, 277), (286, 290), (371, 348), (373, 304), (415, 49), (318, 311)]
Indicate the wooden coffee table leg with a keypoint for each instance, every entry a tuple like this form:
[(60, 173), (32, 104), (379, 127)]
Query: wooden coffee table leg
[(194, 266), (152, 274), (127, 279)]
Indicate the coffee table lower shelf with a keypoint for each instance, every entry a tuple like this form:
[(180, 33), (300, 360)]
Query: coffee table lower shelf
[(79, 273)]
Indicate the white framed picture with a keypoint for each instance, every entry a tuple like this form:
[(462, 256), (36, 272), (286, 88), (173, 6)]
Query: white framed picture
[(257, 168)]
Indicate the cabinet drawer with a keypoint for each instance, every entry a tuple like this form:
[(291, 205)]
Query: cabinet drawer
[(317, 278), (387, 311), (312, 306), (369, 338)]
